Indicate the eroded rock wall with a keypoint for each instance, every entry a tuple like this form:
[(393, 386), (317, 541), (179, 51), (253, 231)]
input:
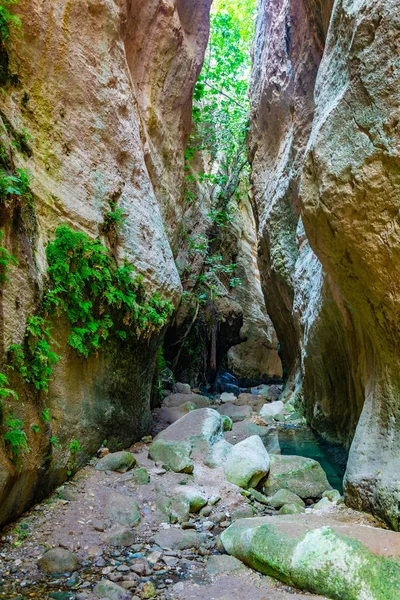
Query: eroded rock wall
[(256, 358), (350, 194), (324, 147), (95, 98)]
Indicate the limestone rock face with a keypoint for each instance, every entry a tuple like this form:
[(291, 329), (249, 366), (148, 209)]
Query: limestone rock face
[(165, 44), (104, 94), (324, 148), (350, 189)]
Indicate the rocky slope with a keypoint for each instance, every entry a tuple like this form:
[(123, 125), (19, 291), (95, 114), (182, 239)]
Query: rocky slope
[(324, 148), (95, 112)]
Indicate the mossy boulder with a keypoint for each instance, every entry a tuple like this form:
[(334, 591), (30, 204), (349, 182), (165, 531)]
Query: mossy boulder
[(282, 497), (194, 496), (173, 455), (247, 463), (217, 454), (303, 476), (337, 559), (141, 476), (291, 509), (200, 429), (174, 509), (116, 461), (332, 495)]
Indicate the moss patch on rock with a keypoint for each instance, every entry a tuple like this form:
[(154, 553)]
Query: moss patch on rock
[(326, 560)]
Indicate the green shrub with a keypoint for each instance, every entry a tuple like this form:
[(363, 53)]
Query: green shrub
[(114, 219), (35, 360), (93, 291), (15, 437), (5, 392), (17, 184), (8, 21), (46, 416), (75, 447), (6, 259)]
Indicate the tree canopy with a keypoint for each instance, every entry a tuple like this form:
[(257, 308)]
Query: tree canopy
[(221, 104)]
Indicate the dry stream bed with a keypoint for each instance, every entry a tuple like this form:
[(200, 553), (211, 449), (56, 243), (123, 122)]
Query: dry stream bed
[(131, 535)]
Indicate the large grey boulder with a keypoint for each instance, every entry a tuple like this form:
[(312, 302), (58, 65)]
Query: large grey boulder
[(174, 413), (282, 497), (173, 455), (303, 476), (179, 539), (181, 388), (116, 461), (200, 428), (227, 397), (255, 402), (327, 556), (119, 536), (247, 463)]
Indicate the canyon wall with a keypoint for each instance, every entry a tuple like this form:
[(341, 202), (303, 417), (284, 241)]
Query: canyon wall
[(256, 358), (101, 91), (324, 145)]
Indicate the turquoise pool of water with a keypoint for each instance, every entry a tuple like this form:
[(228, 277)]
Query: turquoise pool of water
[(302, 442)]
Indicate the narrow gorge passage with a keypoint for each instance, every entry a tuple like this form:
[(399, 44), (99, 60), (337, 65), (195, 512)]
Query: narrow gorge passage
[(199, 291)]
